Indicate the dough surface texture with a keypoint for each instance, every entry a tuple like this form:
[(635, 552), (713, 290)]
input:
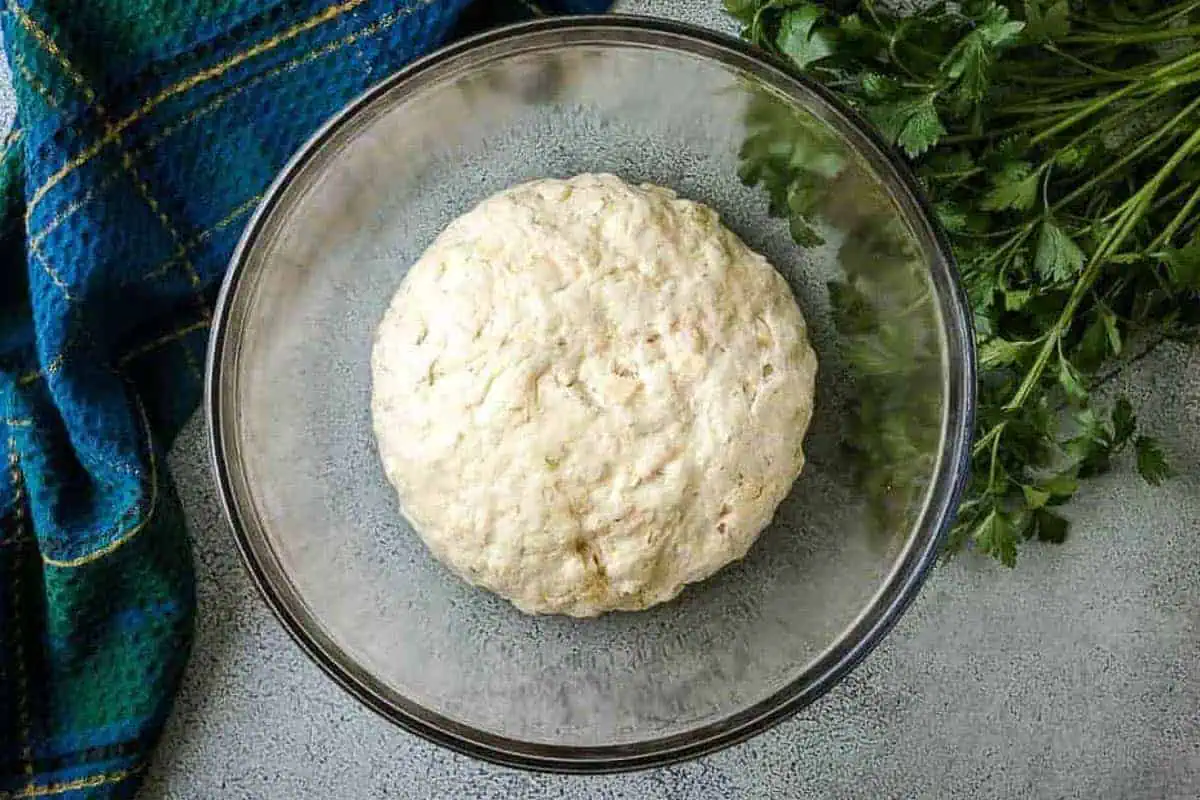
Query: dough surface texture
[(589, 394)]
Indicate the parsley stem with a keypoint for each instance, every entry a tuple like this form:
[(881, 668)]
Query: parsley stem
[(1165, 86), (1158, 205), (1162, 17), (1070, 83), (1022, 233), (1179, 219), (1082, 286), (1132, 215), (1171, 196), (1043, 107), (992, 435), (1104, 101), (995, 459), (1136, 152), (1168, 15), (1050, 87), (1058, 140), (1090, 108), (964, 138), (894, 37), (1079, 62), (1165, 35)]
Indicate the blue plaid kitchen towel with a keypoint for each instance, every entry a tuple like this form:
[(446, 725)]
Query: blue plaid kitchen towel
[(146, 133)]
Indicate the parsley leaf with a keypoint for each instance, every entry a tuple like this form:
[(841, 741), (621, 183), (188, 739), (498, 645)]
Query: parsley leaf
[(996, 28), (1124, 421), (1058, 142), (997, 352), (1050, 527), (995, 537), (1057, 257), (798, 41), (1183, 266), (969, 63), (1151, 462), (970, 66), (1071, 382), (1014, 186), (1046, 20), (911, 123), (1060, 487), (742, 10), (1035, 498), (1113, 330)]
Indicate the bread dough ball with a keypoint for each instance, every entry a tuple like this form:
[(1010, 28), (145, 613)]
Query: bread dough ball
[(589, 394)]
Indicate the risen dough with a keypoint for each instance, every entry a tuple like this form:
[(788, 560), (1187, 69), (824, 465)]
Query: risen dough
[(589, 394)]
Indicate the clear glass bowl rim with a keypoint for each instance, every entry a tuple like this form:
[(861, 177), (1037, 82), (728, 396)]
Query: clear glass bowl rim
[(856, 642)]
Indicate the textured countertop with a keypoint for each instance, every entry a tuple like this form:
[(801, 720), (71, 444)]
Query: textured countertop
[(1076, 675)]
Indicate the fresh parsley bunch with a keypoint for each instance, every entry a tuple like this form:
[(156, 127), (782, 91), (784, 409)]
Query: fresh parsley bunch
[(1060, 144)]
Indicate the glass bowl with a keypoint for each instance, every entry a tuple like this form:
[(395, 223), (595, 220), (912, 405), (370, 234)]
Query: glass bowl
[(289, 387)]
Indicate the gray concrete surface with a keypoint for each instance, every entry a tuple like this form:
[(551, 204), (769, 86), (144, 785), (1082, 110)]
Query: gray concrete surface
[(1076, 675)]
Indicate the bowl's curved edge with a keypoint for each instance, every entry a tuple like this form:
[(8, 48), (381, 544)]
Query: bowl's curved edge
[(856, 642)]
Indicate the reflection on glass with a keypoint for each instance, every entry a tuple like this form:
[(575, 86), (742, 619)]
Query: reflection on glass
[(882, 304)]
